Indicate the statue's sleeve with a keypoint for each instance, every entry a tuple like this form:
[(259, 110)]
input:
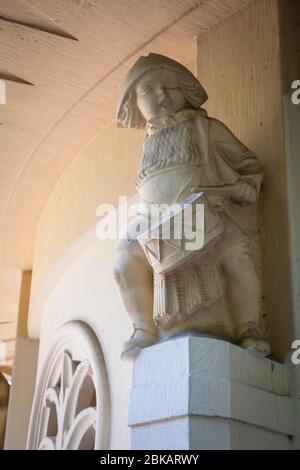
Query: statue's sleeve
[(235, 153)]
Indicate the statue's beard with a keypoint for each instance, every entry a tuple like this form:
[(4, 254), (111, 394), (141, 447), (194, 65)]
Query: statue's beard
[(168, 146)]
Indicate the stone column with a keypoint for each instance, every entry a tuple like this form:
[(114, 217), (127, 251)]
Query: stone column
[(199, 393)]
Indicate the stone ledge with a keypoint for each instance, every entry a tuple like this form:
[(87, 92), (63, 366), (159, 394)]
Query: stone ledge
[(199, 376)]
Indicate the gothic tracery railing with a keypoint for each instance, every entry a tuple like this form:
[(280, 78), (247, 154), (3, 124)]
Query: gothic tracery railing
[(71, 405)]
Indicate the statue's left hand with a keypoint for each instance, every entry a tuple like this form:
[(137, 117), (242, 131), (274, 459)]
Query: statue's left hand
[(242, 192)]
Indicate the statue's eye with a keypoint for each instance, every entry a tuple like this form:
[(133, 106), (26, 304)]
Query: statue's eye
[(146, 90)]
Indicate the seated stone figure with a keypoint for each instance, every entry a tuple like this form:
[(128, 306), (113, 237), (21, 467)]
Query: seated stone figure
[(185, 151)]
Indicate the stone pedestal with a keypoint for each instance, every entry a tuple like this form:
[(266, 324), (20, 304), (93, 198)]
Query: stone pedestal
[(201, 393)]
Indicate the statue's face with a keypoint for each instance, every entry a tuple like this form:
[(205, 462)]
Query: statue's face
[(159, 95)]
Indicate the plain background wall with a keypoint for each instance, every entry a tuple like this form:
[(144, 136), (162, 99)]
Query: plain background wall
[(290, 53), (21, 394), (105, 170)]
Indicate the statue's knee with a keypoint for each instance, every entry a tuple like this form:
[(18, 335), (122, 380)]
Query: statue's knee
[(238, 261), (120, 268), (127, 268)]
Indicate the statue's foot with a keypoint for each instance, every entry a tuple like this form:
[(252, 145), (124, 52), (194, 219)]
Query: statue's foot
[(139, 339), (259, 346), (251, 337)]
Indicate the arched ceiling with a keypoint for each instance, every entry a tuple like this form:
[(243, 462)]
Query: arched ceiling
[(63, 62)]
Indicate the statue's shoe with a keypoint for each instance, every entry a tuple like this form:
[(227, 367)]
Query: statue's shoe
[(139, 339), (251, 337), (259, 346)]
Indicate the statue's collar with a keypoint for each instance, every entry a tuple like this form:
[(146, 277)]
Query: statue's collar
[(156, 124)]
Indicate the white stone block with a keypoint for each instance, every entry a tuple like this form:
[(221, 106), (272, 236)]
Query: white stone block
[(227, 395)]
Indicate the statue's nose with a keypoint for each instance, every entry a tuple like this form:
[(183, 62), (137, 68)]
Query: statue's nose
[(163, 94)]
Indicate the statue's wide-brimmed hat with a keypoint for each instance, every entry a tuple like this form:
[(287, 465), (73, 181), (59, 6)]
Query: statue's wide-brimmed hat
[(156, 62)]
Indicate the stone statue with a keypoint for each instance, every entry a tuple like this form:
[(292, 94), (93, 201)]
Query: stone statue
[(187, 157), (4, 394)]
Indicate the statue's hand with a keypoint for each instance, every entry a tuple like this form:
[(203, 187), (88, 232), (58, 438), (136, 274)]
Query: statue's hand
[(242, 192)]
